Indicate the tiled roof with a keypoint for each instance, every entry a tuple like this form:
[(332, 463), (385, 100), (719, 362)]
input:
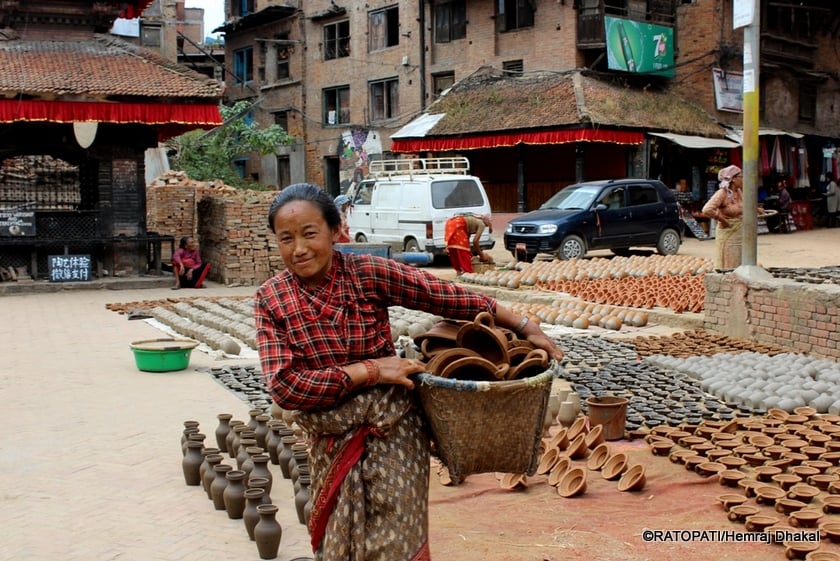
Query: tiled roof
[(492, 101), (101, 68)]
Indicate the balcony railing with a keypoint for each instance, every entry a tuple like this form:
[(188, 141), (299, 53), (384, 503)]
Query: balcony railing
[(591, 13)]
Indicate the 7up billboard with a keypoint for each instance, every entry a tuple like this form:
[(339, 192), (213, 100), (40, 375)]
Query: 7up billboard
[(637, 47)]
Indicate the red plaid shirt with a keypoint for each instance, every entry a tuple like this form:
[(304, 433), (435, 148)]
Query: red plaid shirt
[(305, 335)]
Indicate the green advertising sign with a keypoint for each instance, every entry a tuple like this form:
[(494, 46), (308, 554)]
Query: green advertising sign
[(638, 47)]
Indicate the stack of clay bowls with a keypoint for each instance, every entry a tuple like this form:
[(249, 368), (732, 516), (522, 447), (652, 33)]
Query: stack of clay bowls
[(478, 350)]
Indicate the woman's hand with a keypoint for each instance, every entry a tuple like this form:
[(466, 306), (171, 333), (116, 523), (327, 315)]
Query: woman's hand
[(395, 370), (543, 341), (724, 223)]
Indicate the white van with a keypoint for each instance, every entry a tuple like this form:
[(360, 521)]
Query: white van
[(406, 203)]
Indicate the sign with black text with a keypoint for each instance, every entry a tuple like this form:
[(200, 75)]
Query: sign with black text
[(69, 268)]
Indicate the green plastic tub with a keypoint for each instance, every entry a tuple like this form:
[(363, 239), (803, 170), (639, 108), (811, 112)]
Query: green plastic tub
[(162, 355)]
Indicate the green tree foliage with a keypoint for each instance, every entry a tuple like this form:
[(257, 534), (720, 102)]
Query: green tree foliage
[(208, 155)]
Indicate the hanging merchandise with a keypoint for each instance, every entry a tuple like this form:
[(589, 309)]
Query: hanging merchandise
[(776, 159), (802, 179), (765, 159)]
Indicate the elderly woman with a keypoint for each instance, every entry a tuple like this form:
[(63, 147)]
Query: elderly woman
[(187, 265), (343, 203), (326, 352), (457, 234), (727, 207)]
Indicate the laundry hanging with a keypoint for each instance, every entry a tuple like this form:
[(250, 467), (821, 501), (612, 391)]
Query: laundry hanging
[(802, 180), (776, 158)]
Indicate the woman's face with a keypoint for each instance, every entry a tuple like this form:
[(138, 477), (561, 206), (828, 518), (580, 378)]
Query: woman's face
[(192, 245), (305, 240), (738, 181)]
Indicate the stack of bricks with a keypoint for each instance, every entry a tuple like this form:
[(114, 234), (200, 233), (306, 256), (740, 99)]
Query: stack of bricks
[(231, 225)]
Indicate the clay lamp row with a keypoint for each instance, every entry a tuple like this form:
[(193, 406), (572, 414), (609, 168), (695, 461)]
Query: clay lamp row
[(831, 531)]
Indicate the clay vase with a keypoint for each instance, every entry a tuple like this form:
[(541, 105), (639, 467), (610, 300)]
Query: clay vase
[(185, 436), (273, 440), (567, 413), (217, 487), (260, 462), (284, 454), (302, 497), (482, 337), (230, 438), (242, 452), (191, 463), (253, 498), (203, 467), (262, 430), (252, 421), (267, 532), (260, 483), (233, 495), (223, 429), (210, 462), (248, 464)]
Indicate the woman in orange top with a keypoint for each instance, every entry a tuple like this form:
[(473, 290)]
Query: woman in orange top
[(457, 237)]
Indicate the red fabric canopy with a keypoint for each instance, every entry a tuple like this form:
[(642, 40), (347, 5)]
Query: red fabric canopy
[(134, 10), (445, 144), (169, 118)]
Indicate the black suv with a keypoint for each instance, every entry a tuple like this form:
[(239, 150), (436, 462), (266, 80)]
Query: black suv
[(614, 214)]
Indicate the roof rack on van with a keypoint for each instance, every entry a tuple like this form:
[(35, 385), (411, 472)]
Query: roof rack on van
[(407, 166)]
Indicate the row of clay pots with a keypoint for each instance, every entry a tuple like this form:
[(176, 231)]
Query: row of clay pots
[(681, 294), (700, 342), (582, 315)]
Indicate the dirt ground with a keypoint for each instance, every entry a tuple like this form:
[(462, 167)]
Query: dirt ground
[(478, 520)]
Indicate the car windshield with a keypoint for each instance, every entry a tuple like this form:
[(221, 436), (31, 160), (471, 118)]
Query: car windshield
[(573, 198)]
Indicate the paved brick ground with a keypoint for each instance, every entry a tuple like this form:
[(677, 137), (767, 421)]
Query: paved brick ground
[(90, 459)]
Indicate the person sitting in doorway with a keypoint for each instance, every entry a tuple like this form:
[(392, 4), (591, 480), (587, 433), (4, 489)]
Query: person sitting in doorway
[(189, 270)]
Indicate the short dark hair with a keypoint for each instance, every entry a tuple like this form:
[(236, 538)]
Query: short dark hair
[(184, 240), (310, 193)]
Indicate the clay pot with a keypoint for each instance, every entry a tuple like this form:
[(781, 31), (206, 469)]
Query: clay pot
[(633, 479), (573, 483), (577, 428), (787, 506), (758, 522), (233, 495), (823, 555), (548, 460), (731, 499), (799, 550), (222, 429), (560, 440), (600, 454), (267, 532), (731, 477), (442, 359), (765, 473), (475, 368), (535, 363), (822, 480), (709, 468), (191, 463), (739, 513), (577, 448), (614, 466), (830, 504), (768, 494), (559, 469), (732, 462), (253, 498), (786, 480), (831, 531), (440, 337), (482, 337), (595, 436), (514, 482), (805, 518)]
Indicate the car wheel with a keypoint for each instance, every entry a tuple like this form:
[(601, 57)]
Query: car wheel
[(411, 246), (361, 238), (621, 251), (572, 247), (669, 242)]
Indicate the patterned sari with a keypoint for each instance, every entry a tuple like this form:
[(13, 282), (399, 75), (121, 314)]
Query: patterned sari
[(361, 452)]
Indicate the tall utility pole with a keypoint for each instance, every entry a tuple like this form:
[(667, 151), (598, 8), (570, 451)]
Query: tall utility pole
[(747, 14)]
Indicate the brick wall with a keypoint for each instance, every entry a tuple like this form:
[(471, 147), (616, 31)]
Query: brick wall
[(230, 225), (800, 316)]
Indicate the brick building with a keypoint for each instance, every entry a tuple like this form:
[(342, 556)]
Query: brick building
[(79, 108), (344, 77)]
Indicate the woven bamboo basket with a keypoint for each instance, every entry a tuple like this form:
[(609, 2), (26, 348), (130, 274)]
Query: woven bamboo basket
[(482, 427)]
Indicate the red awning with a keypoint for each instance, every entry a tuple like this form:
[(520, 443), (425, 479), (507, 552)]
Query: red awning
[(134, 9), (167, 117), (446, 144)]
